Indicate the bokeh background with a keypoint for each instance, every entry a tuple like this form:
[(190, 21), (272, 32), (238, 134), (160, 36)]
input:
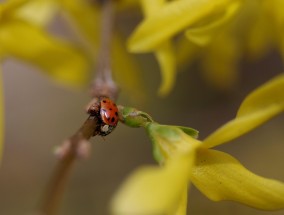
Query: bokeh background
[(40, 114)]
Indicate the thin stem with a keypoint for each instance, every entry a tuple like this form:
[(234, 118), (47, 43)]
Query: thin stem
[(103, 86), (103, 83), (69, 153)]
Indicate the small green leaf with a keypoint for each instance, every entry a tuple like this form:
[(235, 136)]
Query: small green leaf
[(155, 190), (169, 141), (133, 117), (261, 105), (189, 131), (220, 176)]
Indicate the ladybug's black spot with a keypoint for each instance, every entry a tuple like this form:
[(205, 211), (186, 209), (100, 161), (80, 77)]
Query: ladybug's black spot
[(116, 113), (110, 109), (112, 119), (104, 101)]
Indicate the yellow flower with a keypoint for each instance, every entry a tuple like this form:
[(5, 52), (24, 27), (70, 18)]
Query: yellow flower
[(218, 35), (163, 20), (218, 175), (85, 18), (22, 36)]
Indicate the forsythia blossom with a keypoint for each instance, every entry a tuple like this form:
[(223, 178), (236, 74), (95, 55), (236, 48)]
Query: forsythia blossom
[(184, 159)]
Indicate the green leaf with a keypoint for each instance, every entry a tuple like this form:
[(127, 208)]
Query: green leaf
[(134, 118), (170, 19), (261, 105), (189, 131), (155, 190), (61, 61), (169, 141), (220, 176)]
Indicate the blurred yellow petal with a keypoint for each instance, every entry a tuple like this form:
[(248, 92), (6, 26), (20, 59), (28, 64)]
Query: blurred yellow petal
[(9, 7), (85, 19), (155, 190), (261, 105), (166, 58), (219, 62), (258, 39), (169, 20), (182, 206), (38, 12), (126, 71), (221, 177), (150, 7), (267, 95), (186, 52), (61, 61), (126, 4), (164, 52), (203, 34), (1, 116)]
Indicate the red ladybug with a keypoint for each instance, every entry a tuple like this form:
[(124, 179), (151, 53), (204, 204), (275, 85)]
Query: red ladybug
[(107, 113)]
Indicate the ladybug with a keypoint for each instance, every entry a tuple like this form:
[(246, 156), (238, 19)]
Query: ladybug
[(106, 111)]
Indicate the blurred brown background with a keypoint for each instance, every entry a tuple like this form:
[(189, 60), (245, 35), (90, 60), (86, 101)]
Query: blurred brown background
[(39, 115)]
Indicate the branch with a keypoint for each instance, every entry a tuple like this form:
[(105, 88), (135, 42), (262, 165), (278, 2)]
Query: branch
[(103, 84), (68, 152), (77, 145)]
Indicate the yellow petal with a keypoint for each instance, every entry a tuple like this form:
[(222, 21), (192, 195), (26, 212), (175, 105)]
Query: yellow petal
[(182, 206), (259, 36), (166, 58), (186, 52), (155, 190), (85, 19), (169, 20), (203, 35), (267, 95), (38, 12), (126, 71), (60, 60), (220, 62), (1, 117), (164, 52), (221, 177), (261, 105), (150, 7)]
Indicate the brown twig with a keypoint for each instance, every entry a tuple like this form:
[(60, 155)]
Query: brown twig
[(68, 152), (73, 148), (104, 72)]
